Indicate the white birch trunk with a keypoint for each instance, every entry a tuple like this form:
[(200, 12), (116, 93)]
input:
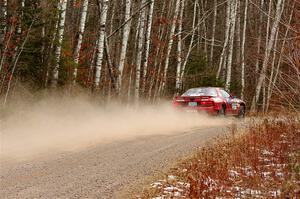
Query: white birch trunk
[(139, 52), (79, 39), (204, 30), (147, 43), (264, 95), (213, 31), (273, 81), (157, 66), (101, 40), (61, 27), (4, 21), (190, 46), (272, 66), (4, 46), (179, 48), (129, 85), (112, 18), (238, 33), (268, 24), (170, 44), (259, 38), (222, 57), (232, 33), (53, 39), (126, 32), (269, 47), (243, 50), (19, 28)]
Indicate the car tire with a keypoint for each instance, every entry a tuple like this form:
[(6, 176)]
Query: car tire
[(221, 112), (242, 112)]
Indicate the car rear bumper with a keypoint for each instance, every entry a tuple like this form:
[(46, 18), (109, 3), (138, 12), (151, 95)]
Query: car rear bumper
[(209, 109)]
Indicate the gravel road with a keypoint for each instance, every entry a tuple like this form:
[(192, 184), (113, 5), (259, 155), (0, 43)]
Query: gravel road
[(101, 171)]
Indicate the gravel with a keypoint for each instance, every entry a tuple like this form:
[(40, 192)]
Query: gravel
[(101, 171)]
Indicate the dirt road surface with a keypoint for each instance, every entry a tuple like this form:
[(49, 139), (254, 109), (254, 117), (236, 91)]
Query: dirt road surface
[(101, 171)]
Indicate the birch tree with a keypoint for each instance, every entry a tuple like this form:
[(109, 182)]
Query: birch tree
[(125, 37), (179, 48), (227, 31), (147, 43), (62, 5), (238, 33), (213, 30), (79, 37), (232, 33), (170, 44), (101, 40), (190, 46), (4, 21), (139, 52), (204, 28), (259, 38), (19, 28), (158, 55), (279, 62), (269, 47), (267, 87), (3, 46), (243, 49)]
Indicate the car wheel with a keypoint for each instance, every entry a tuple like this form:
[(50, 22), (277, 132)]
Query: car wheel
[(242, 112), (221, 112)]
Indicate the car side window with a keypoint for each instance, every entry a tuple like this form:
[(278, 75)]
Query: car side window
[(224, 94)]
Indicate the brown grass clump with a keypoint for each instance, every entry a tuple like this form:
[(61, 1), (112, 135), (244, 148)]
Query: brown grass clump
[(263, 162)]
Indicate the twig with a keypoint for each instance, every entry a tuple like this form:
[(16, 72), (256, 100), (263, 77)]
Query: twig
[(15, 63)]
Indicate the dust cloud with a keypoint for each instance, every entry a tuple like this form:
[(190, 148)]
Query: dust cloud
[(57, 125)]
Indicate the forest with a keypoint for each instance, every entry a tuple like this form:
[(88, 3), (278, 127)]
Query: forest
[(149, 50)]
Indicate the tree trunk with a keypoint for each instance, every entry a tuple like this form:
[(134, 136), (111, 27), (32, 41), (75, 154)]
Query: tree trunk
[(232, 33), (213, 31), (147, 43), (238, 33), (139, 53), (101, 40), (205, 51), (61, 27), (4, 22), (269, 47), (179, 48), (15, 63), (89, 78), (190, 46), (170, 44), (268, 88), (126, 32), (273, 81), (259, 38), (243, 50), (19, 28), (223, 56), (79, 37), (158, 56)]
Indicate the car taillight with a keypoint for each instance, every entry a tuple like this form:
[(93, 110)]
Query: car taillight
[(207, 103), (180, 100)]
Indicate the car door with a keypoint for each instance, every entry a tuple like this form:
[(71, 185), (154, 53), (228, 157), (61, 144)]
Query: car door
[(228, 100)]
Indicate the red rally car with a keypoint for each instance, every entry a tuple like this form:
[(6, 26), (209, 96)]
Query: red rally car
[(213, 100)]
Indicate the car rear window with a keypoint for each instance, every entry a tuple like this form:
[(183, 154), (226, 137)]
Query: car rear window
[(195, 92)]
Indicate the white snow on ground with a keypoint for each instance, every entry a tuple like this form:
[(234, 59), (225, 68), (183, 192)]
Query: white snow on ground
[(173, 189), (276, 193), (269, 168)]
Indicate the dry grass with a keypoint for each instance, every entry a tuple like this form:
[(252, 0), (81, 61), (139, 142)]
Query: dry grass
[(263, 162)]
